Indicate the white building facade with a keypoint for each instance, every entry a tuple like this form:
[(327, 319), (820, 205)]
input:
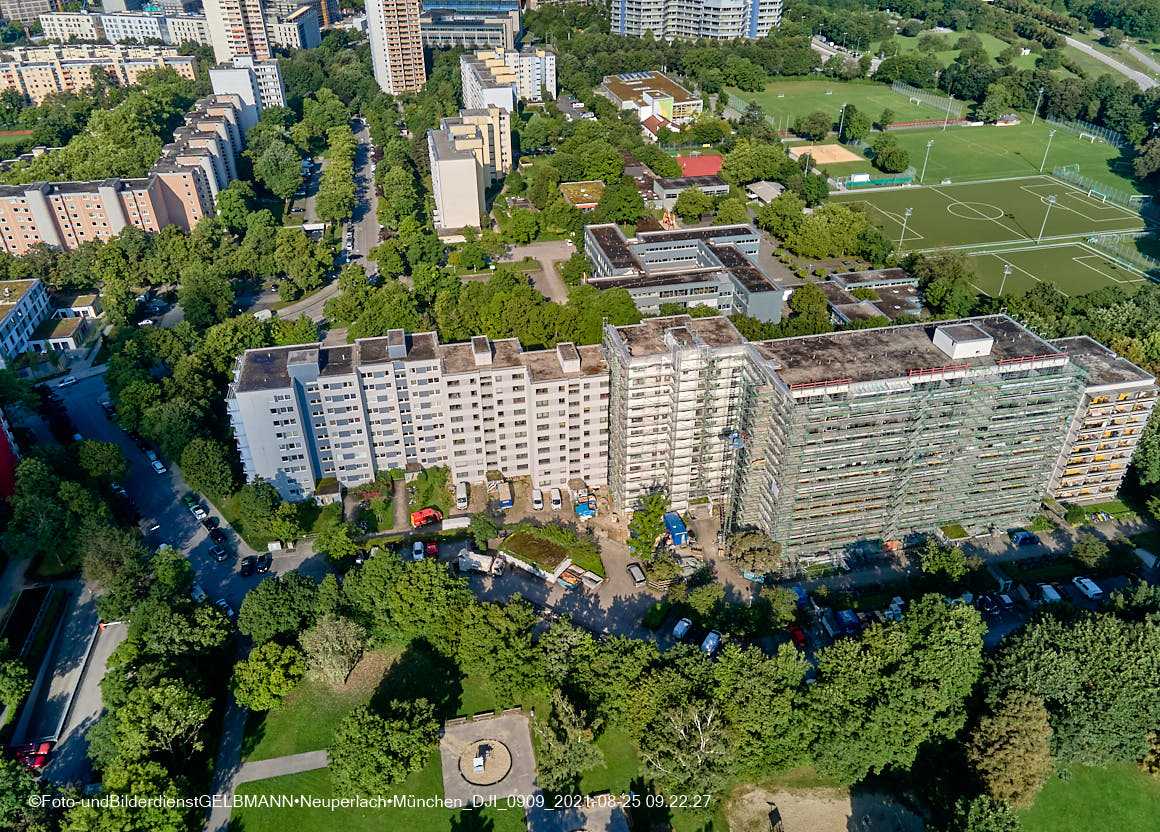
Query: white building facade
[(695, 19)]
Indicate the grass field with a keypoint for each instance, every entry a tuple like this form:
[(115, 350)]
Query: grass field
[(980, 214), (991, 44), (989, 152), (1073, 268), (1120, 797), (425, 783), (788, 99)]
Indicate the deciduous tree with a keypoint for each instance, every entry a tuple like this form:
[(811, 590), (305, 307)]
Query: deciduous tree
[(1009, 749), (333, 647), (262, 680), (371, 753)]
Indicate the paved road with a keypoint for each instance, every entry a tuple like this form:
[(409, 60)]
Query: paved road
[(1144, 59), (548, 253), (309, 213), (281, 766), (228, 764), (364, 219), (1140, 78)]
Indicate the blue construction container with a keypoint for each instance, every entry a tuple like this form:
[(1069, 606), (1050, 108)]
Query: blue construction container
[(676, 526)]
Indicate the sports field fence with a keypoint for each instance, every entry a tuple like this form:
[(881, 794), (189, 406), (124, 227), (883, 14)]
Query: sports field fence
[(1126, 248), (940, 102), (1102, 191), (874, 180), (1088, 131)]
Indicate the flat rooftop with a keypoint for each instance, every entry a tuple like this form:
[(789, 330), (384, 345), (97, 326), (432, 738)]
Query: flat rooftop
[(582, 193), (1102, 365), (679, 183), (266, 369), (647, 337), (640, 86), (894, 352), (13, 291)]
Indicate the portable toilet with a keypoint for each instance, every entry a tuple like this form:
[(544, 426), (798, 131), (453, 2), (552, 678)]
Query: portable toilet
[(676, 528)]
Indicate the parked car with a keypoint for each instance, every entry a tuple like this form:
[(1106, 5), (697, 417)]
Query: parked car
[(1022, 537), (432, 549), (108, 408), (150, 454), (209, 523), (537, 499), (199, 512), (158, 466), (557, 500), (225, 607), (265, 560), (417, 550), (248, 567), (711, 643), (987, 605), (217, 536), (33, 756), (198, 594), (189, 500), (1049, 593), (636, 573), (798, 635), (67, 381), (1090, 589), (219, 554), (682, 628)]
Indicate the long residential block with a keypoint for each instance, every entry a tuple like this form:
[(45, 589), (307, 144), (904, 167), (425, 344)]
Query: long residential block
[(305, 413), (36, 71), (502, 77), (820, 441), (179, 189), (695, 19)]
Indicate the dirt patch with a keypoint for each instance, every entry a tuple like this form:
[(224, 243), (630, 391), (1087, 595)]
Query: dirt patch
[(366, 674), (819, 810), (824, 154)]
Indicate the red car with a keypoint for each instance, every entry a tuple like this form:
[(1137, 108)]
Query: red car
[(798, 635), (432, 549), (33, 756)]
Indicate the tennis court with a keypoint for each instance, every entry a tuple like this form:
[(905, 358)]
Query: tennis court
[(1001, 212), (1072, 268)]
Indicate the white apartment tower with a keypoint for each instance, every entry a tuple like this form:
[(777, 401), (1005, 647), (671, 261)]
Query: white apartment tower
[(695, 19), (500, 77), (396, 45), (468, 154), (304, 413), (237, 28)]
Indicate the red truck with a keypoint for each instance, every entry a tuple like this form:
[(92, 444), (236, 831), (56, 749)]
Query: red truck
[(425, 517)]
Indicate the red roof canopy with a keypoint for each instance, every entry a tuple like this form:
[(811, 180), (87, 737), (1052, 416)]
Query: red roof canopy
[(699, 165)]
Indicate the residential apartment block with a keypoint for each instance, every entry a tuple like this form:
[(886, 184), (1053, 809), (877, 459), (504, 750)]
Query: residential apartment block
[(396, 45), (1109, 421), (502, 77), (36, 71), (695, 19), (178, 190), (237, 28), (713, 266), (23, 305), (123, 27), (298, 30), (651, 94), (24, 11), (257, 83), (469, 153), (304, 413), (443, 28)]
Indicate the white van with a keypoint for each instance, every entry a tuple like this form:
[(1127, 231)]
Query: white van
[(557, 500), (1048, 593), (1090, 589), (462, 493)]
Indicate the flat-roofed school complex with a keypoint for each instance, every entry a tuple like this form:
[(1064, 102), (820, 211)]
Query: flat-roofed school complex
[(820, 441), (651, 93)]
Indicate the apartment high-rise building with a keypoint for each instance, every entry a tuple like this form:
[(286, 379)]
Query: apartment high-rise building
[(297, 30), (468, 154), (25, 11), (695, 19), (501, 77), (237, 28), (396, 45), (304, 413), (326, 10), (1118, 398), (36, 71), (257, 83), (443, 28)]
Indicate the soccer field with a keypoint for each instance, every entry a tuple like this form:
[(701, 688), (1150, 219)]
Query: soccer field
[(977, 214), (1072, 268), (786, 100)]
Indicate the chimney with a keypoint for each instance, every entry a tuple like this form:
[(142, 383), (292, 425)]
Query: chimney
[(481, 350)]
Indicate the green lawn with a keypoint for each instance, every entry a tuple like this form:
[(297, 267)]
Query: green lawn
[(1074, 269), (946, 56), (785, 100), (964, 154), (423, 784), (1007, 212), (431, 490), (1120, 797)]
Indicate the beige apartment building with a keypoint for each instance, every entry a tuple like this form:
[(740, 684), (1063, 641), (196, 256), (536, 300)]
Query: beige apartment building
[(469, 153), (179, 190), (501, 77), (37, 71), (396, 45), (237, 29), (304, 413)]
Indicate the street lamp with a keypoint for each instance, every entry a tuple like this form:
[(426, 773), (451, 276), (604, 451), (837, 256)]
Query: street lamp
[(1046, 150), (1006, 273), (1046, 214), (902, 236), (842, 121), (925, 159), (844, 36), (948, 116), (1038, 101)]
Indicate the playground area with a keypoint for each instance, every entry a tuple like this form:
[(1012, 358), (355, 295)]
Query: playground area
[(1072, 268), (1034, 209)]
